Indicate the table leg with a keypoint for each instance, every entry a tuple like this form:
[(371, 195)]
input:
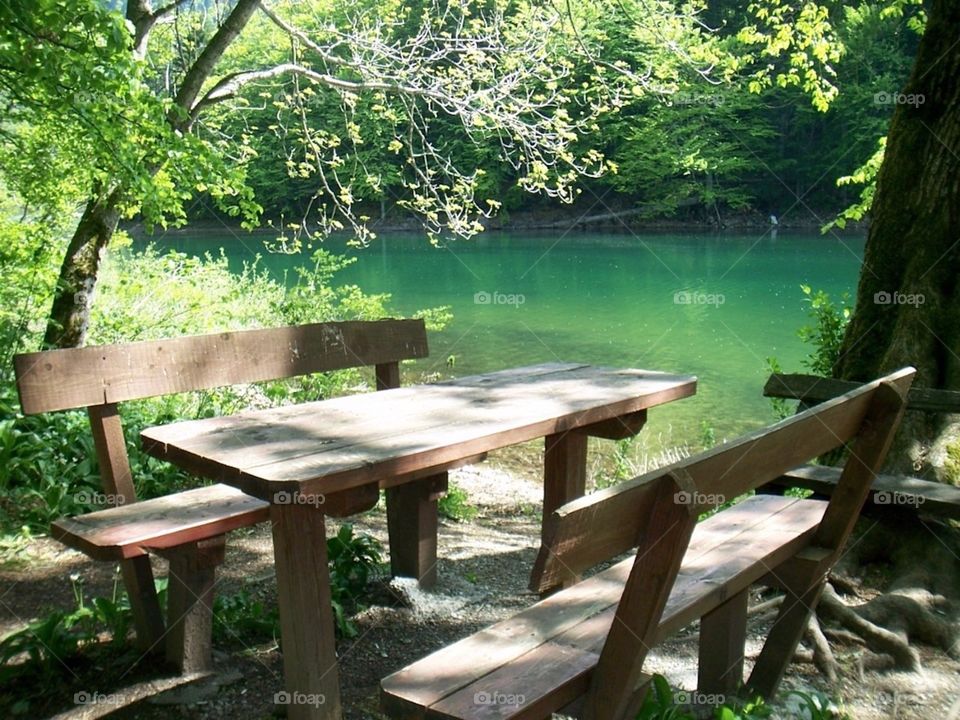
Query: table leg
[(306, 617), (564, 469), (412, 525), (564, 478)]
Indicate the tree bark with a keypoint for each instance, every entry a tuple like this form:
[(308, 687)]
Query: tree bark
[(908, 309), (70, 314)]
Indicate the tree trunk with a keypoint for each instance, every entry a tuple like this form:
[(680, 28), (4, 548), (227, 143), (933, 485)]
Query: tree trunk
[(70, 314), (908, 309)]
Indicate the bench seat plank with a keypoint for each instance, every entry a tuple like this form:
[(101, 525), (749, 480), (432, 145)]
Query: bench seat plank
[(129, 530), (925, 495), (727, 553)]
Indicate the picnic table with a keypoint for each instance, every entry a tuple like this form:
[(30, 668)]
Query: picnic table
[(332, 457)]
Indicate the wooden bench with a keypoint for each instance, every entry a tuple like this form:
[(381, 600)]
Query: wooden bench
[(889, 491), (188, 527), (582, 649)]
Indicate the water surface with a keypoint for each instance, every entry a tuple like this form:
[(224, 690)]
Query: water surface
[(711, 305)]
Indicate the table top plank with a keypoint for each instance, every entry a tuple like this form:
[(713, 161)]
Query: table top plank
[(336, 444)]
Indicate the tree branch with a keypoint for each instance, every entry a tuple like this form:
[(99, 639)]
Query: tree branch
[(229, 85), (203, 66), (301, 36)]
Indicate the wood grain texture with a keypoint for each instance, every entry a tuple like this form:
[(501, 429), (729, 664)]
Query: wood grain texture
[(130, 530), (887, 491), (117, 482), (311, 674), (336, 444), (607, 523), (412, 526), (723, 632), (811, 389), (192, 579), (736, 552), (663, 544), (81, 377)]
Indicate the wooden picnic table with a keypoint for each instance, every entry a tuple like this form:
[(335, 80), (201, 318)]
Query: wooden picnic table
[(332, 457)]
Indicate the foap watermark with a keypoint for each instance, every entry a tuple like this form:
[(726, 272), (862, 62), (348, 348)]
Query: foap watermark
[(895, 498), (898, 298), (498, 698), (899, 699), (284, 497), (299, 698), (899, 98), (498, 298), (684, 497), (95, 497), (695, 697), (96, 698), (690, 297), (689, 98)]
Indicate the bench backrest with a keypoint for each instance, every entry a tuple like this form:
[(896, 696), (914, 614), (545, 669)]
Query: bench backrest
[(657, 512), (813, 389), (99, 377)]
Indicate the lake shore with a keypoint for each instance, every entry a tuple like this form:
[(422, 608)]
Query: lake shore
[(566, 219)]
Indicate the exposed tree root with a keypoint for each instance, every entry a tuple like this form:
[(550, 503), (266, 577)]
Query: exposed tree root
[(822, 654), (876, 637), (921, 603)]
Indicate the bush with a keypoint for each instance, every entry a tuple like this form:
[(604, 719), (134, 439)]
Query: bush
[(47, 462)]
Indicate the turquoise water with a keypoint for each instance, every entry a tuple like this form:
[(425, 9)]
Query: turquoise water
[(711, 305)]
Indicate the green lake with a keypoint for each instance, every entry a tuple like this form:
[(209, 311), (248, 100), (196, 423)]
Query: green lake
[(712, 305)]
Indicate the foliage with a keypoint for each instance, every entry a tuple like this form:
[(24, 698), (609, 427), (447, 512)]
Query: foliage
[(54, 639), (826, 332), (352, 558), (15, 547), (622, 464), (708, 434), (79, 109), (240, 618), (662, 703), (817, 706), (659, 703), (455, 504), (47, 462), (781, 408)]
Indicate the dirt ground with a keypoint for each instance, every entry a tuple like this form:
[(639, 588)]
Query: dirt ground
[(484, 566)]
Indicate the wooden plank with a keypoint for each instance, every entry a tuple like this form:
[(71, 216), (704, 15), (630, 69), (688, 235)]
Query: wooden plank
[(306, 616), (618, 428), (564, 469), (190, 604), (581, 615), (814, 389), (434, 426), (659, 556), (286, 432), (723, 632), (865, 459), (532, 687), (412, 527), (78, 377), (117, 483), (126, 531), (387, 375), (782, 641), (888, 491), (807, 578), (719, 475)]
